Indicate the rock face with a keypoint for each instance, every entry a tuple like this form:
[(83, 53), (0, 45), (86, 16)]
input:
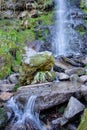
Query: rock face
[(42, 61)]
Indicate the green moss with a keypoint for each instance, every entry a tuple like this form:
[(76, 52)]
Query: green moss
[(81, 30), (2, 118), (13, 37), (83, 124), (83, 6)]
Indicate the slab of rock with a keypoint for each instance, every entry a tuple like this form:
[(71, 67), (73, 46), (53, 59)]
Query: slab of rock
[(78, 71), (73, 108), (62, 76), (7, 87), (60, 121), (60, 66), (49, 94), (4, 96), (83, 79)]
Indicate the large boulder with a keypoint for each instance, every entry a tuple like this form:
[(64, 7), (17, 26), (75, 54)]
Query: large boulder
[(38, 62)]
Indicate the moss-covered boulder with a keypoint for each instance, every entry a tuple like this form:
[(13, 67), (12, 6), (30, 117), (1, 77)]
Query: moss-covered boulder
[(5, 65), (42, 61), (2, 118), (83, 123)]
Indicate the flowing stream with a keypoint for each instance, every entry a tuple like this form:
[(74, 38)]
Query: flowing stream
[(27, 119)]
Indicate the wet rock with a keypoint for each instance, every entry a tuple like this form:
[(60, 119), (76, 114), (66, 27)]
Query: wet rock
[(60, 121), (60, 66), (36, 45), (83, 78), (30, 124), (19, 126), (7, 87), (74, 107), (62, 76), (72, 127), (4, 96), (84, 61), (13, 78), (73, 62), (5, 81), (84, 91), (78, 71)]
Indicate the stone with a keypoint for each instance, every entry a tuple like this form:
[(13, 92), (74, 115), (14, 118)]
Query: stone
[(62, 76), (83, 79), (73, 108), (72, 127), (7, 87), (13, 78), (4, 96), (60, 121), (84, 91), (60, 66), (76, 70), (6, 14)]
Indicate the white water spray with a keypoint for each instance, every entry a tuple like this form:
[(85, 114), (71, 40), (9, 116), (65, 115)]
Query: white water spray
[(29, 115), (60, 38)]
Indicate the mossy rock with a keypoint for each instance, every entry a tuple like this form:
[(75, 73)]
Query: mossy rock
[(42, 61), (5, 65), (2, 118), (83, 123)]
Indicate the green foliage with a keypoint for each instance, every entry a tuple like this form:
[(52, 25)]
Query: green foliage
[(81, 30), (2, 118), (83, 123), (44, 76), (83, 5), (16, 87)]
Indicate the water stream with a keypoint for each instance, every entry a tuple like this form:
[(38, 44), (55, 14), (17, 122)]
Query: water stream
[(27, 119), (65, 40), (60, 37)]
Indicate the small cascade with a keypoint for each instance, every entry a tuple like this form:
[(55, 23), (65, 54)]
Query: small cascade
[(27, 119)]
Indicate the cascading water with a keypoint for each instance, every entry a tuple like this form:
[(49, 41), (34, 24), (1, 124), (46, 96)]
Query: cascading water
[(59, 44), (66, 40), (27, 119)]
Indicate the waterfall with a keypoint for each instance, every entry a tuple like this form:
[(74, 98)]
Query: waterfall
[(27, 119), (60, 38), (66, 40)]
